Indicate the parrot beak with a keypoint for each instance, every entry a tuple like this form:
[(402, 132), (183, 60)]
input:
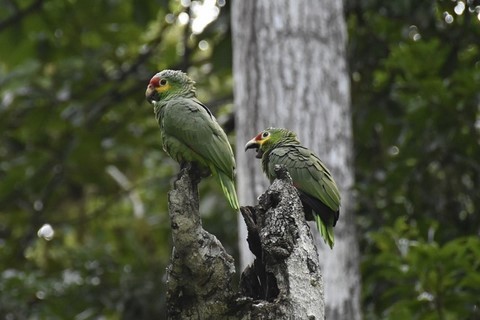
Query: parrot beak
[(253, 144), (151, 94)]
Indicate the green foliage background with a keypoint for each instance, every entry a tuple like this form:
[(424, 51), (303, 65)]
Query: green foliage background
[(415, 70), (80, 151)]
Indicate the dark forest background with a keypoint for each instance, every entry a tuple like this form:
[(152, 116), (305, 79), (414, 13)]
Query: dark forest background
[(84, 230)]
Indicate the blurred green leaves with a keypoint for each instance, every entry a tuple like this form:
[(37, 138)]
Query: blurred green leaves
[(415, 103), (81, 151), (420, 278)]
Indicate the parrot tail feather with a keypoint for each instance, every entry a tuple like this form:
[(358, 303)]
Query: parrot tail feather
[(325, 231), (228, 187)]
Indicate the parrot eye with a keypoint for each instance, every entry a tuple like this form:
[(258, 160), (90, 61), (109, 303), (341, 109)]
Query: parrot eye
[(163, 82), (265, 134)]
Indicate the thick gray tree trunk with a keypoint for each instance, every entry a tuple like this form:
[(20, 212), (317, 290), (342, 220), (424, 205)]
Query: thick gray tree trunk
[(282, 280), (290, 71)]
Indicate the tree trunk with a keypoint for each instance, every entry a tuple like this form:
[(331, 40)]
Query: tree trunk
[(282, 280), (290, 71)]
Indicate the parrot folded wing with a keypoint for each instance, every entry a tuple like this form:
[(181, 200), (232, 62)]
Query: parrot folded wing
[(317, 189), (308, 173), (191, 123)]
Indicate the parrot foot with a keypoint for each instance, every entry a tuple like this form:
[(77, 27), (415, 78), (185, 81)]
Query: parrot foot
[(184, 165), (194, 170)]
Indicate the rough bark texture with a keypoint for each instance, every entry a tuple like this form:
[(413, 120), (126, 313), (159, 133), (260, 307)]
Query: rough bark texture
[(285, 272), (290, 71), (199, 276), (284, 282)]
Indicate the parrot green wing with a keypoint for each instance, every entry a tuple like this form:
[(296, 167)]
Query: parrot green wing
[(190, 123), (308, 173), (314, 182), (191, 133)]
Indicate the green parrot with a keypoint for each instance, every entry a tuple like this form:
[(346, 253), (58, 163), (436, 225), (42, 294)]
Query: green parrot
[(318, 191), (189, 130)]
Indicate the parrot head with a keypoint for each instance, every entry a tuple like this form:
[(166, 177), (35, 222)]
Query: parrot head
[(169, 84), (268, 139)]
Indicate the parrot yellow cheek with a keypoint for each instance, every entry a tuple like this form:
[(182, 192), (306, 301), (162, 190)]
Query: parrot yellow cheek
[(164, 88)]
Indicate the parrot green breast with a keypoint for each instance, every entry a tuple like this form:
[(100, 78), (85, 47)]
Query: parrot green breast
[(191, 133), (307, 171)]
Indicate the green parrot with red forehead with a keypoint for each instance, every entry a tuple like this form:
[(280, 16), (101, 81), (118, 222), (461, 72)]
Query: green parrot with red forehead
[(318, 191), (189, 130)]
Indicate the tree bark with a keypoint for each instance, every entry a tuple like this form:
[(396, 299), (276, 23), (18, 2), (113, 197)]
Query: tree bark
[(284, 282), (290, 71), (200, 273)]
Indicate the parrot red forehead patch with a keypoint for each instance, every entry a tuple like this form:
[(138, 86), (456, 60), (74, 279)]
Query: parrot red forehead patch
[(155, 81), (258, 137)]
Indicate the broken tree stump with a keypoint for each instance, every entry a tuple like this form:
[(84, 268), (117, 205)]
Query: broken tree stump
[(284, 282)]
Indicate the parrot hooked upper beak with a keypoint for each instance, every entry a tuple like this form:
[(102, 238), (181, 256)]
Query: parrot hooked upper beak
[(152, 92), (256, 143)]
